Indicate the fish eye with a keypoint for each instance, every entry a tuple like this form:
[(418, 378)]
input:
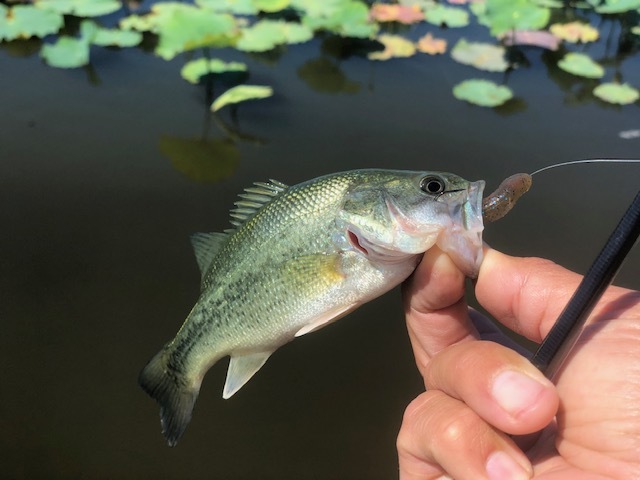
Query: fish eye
[(432, 185)]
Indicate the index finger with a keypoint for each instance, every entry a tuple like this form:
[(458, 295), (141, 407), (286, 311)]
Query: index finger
[(436, 312)]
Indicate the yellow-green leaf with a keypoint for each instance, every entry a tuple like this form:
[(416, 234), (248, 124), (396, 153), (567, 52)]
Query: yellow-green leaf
[(394, 46), (195, 69), (581, 65), (480, 55), (25, 21), (482, 92), (241, 93), (621, 94), (575, 32)]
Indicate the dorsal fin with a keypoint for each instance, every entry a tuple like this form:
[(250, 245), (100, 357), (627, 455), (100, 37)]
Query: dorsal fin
[(206, 246), (254, 198)]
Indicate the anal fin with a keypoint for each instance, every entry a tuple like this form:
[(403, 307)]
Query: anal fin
[(241, 369)]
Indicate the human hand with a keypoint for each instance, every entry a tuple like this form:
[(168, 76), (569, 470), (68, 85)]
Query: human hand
[(488, 413)]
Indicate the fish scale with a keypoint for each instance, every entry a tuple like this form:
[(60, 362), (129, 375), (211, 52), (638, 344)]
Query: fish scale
[(305, 256)]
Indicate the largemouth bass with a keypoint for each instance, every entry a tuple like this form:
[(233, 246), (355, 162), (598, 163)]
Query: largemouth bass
[(301, 257)]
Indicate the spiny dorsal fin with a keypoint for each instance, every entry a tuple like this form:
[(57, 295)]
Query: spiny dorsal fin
[(206, 246), (254, 199)]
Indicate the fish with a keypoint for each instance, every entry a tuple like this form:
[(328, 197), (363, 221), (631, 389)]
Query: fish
[(300, 257)]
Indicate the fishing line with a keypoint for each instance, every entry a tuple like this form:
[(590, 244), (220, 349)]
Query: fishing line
[(588, 160)]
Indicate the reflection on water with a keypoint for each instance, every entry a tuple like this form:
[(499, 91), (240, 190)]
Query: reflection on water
[(97, 270)]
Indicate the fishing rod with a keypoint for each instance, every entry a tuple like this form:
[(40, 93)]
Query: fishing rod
[(561, 339)]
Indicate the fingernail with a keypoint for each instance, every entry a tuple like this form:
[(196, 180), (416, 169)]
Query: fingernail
[(500, 466), (516, 392)]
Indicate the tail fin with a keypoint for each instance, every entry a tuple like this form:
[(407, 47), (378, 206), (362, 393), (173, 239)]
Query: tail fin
[(172, 392)]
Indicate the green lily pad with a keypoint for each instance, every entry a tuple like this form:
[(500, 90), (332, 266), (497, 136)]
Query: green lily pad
[(449, 16), (636, 30), (621, 94), (267, 34), (80, 8), (480, 55), (241, 93), (199, 159), (482, 92), (66, 52), (347, 18), (181, 27), (195, 69), (26, 21), (581, 65), (237, 7), (618, 6), (502, 16), (271, 6)]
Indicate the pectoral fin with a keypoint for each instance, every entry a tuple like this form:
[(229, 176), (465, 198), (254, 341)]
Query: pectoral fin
[(241, 369)]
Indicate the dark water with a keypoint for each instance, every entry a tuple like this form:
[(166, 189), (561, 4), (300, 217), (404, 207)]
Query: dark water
[(97, 270)]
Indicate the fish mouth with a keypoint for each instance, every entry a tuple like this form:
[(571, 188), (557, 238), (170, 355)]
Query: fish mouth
[(462, 241)]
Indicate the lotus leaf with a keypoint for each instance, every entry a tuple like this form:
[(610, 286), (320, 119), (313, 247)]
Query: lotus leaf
[(636, 30), (114, 37), (480, 55), (183, 27), (346, 18), (267, 34), (618, 6), (25, 21), (136, 22), (394, 46), (271, 6), (383, 12), (449, 16), (193, 70), (581, 65), (199, 159), (237, 7), (240, 94), (574, 32), (80, 8), (621, 94), (431, 45), (482, 92), (67, 52), (504, 15)]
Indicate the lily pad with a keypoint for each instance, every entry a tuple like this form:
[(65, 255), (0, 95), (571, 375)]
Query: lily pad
[(116, 38), (181, 27), (394, 46), (406, 14), (574, 32), (581, 65), (482, 92), (621, 94), (26, 21), (347, 18), (267, 34), (241, 93), (480, 55), (237, 7), (431, 45), (80, 8), (448, 16), (195, 69), (618, 6), (502, 16), (66, 52), (271, 6)]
